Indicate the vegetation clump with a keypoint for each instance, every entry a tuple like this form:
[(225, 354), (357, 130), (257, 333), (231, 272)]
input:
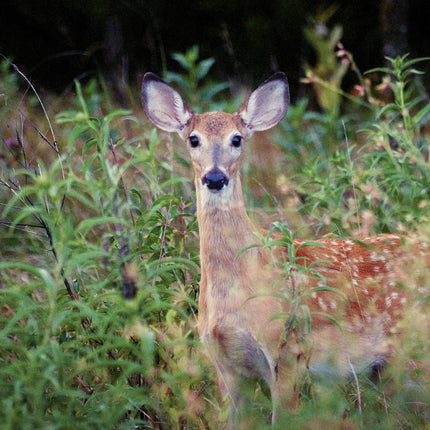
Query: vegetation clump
[(100, 267)]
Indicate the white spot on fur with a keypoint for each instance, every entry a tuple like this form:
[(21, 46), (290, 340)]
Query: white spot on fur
[(322, 304), (333, 304)]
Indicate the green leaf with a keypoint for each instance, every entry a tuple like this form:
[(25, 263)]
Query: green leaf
[(203, 68), (182, 60), (421, 115), (310, 243), (76, 133), (164, 202), (307, 315), (390, 107), (87, 258), (320, 262), (246, 248), (328, 317), (117, 113), (213, 90), (87, 224), (327, 289), (379, 69), (410, 63)]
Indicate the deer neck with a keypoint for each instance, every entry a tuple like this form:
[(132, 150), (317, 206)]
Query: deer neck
[(228, 280), (224, 225), (225, 229)]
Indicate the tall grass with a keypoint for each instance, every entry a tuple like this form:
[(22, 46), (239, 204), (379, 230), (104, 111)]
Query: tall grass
[(99, 267)]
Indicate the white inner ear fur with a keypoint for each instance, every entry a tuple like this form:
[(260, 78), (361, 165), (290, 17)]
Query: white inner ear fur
[(266, 106), (165, 107)]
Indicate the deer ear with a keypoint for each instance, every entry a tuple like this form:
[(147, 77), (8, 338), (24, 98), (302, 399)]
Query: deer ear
[(163, 105), (267, 105)]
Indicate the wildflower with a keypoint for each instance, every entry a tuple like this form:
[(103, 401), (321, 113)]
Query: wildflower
[(385, 84), (346, 61), (358, 91), (309, 79), (10, 143), (341, 51)]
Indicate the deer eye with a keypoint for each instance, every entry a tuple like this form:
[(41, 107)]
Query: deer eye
[(236, 141), (194, 141)]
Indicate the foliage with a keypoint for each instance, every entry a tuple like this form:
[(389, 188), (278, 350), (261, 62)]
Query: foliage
[(398, 145), (99, 263), (328, 72), (379, 186), (189, 82), (105, 350), (291, 269)]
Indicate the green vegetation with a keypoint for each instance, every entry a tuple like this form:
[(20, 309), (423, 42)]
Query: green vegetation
[(99, 267)]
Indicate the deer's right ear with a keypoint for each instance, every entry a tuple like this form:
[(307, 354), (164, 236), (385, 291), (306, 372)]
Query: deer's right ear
[(163, 105)]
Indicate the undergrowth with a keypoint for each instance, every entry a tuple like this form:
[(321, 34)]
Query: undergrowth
[(100, 269)]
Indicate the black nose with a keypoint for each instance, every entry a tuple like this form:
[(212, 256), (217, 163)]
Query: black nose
[(215, 179)]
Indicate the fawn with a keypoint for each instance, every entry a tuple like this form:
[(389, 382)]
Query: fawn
[(243, 298)]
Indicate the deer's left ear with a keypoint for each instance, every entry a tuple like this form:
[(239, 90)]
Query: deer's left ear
[(163, 105), (267, 105)]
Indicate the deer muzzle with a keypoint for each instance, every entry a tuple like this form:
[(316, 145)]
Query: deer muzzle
[(215, 180)]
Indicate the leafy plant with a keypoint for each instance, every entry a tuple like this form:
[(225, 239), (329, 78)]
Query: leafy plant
[(99, 267), (201, 96), (382, 185), (328, 72), (88, 355), (398, 145)]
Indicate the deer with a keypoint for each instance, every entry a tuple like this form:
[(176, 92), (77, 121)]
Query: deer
[(243, 297)]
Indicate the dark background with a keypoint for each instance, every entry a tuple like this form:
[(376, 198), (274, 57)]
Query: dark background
[(54, 42)]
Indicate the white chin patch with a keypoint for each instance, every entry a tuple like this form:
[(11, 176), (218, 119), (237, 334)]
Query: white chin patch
[(216, 198)]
